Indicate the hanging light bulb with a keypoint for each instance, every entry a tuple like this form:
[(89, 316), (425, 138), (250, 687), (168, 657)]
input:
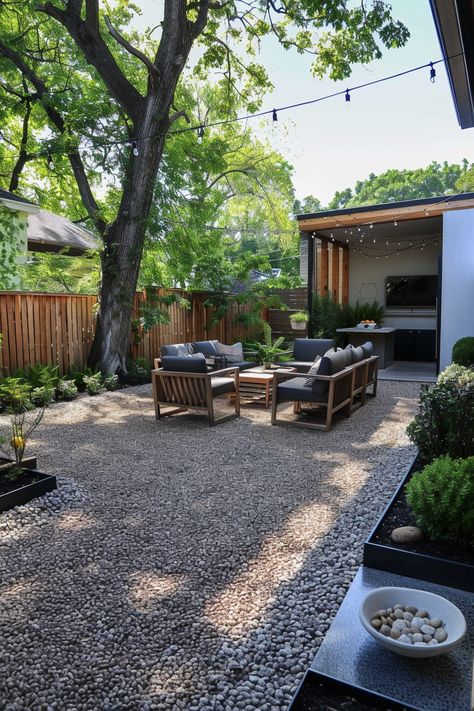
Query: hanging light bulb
[(50, 162), (375, 240), (274, 115), (332, 237), (200, 134), (395, 223), (371, 225), (348, 96), (432, 73)]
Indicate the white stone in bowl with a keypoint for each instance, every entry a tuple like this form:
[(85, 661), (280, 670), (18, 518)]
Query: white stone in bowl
[(437, 606)]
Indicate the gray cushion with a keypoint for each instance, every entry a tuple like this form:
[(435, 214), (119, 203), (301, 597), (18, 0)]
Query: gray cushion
[(312, 372), (330, 365), (220, 386), (368, 349), (306, 349), (185, 364), (206, 347), (233, 354), (177, 349), (295, 389), (357, 354)]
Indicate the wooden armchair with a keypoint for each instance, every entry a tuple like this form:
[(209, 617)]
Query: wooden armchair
[(184, 384)]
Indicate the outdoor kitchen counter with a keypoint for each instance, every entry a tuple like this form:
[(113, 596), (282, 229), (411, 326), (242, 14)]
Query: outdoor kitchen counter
[(383, 340)]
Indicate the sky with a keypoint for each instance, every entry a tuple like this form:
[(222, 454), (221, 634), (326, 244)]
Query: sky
[(404, 123)]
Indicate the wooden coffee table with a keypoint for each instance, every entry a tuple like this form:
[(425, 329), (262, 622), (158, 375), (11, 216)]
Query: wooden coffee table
[(256, 384)]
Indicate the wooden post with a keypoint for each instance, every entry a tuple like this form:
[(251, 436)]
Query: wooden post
[(345, 275), (335, 273), (324, 268)]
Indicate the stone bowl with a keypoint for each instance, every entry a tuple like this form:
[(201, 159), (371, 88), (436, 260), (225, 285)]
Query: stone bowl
[(437, 606)]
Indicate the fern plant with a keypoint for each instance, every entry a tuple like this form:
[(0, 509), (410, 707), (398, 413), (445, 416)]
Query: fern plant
[(268, 350), (442, 499)]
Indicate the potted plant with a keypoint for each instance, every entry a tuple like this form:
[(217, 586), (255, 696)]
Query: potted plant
[(269, 350), (299, 320), (19, 482)]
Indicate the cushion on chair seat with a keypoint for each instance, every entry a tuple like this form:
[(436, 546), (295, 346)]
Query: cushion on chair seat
[(295, 389), (221, 386), (185, 364)]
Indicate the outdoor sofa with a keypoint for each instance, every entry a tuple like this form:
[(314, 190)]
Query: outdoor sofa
[(341, 384), (213, 351)]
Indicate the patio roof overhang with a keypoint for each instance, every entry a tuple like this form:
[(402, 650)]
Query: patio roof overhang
[(390, 212), (454, 22)]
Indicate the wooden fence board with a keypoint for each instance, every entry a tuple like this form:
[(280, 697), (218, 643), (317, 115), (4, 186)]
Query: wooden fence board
[(58, 329)]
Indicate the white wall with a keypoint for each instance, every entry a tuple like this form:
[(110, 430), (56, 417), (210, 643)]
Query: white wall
[(457, 291), (367, 282)]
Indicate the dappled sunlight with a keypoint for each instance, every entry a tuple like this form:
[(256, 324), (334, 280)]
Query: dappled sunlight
[(16, 590), (149, 587), (75, 521), (238, 608), (401, 413)]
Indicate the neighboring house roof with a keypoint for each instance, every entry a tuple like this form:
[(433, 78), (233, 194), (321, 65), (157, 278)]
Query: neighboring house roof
[(51, 233), (15, 202), (454, 21), (402, 210)]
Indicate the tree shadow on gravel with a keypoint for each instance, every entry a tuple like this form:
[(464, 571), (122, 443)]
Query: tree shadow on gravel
[(208, 564)]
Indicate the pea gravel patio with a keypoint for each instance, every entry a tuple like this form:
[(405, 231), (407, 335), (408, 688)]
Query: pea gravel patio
[(184, 567)]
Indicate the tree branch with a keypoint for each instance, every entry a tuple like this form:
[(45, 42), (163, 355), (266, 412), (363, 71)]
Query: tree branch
[(153, 70), (89, 40)]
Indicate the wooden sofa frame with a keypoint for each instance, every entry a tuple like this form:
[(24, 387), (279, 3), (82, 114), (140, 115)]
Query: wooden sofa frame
[(344, 387), (191, 391)]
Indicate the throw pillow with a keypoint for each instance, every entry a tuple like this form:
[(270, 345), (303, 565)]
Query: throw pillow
[(332, 350), (233, 354), (308, 383), (184, 349)]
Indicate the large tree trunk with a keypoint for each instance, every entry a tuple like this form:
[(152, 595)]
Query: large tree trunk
[(123, 248)]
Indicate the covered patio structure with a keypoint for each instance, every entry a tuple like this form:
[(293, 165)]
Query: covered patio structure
[(351, 254)]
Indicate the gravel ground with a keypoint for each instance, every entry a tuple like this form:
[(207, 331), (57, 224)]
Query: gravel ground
[(186, 567)]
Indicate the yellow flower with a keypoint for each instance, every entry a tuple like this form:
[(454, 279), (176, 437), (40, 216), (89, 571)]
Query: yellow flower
[(18, 442)]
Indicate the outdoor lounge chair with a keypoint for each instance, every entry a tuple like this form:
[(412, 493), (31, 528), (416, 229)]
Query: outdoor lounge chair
[(332, 391), (305, 351), (185, 384)]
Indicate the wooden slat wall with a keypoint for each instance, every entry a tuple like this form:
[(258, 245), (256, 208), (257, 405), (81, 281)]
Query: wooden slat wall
[(295, 300), (58, 329)]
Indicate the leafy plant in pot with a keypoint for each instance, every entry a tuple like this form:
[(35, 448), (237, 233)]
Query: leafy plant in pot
[(299, 320), (268, 350)]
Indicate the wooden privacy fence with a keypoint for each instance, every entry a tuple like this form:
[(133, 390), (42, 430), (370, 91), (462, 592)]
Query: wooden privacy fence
[(58, 329)]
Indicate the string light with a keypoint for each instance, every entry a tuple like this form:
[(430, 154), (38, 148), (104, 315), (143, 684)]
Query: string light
[(135, 150), (200, 134), (50, 161), (348, 96), (274, 115), (432, 73), (395, 223)]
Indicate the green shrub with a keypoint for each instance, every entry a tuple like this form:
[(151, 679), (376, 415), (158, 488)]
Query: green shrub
[(42, 396), (463, 351), (93, 383), (444, 424), (457, 375), (15, 395), (326, 317), (111, 382), (66, 390), (138, 371), (78, 377), (42, 376), (442, 499)]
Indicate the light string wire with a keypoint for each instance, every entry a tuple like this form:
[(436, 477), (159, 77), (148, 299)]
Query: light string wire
[(134, 141)]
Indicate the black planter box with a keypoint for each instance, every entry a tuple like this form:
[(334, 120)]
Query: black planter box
[(442, 571), (316, 689), (17, 497)]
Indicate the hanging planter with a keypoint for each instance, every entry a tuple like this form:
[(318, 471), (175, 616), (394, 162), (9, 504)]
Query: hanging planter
[(299, 320)]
